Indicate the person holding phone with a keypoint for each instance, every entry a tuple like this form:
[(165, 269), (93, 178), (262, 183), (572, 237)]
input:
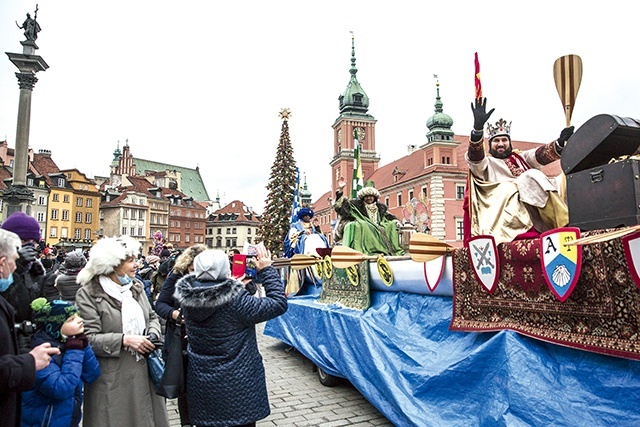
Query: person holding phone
[(226, 382)]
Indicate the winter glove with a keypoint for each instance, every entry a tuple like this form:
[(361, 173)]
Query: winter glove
[(480, 115), (27, 254), (77, 342), (564, 136)]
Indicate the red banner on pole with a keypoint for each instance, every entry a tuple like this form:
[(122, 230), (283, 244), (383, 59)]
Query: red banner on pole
[(477, 77)]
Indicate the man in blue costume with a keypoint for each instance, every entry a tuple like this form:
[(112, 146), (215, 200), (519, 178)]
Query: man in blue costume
[(304, 236)]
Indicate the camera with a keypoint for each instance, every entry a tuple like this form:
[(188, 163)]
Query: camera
[(25, 327)]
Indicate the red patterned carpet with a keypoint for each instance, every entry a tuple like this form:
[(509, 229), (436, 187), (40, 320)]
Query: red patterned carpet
[(601, 315)]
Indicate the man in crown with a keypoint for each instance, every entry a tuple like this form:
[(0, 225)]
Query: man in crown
[(510, 197)]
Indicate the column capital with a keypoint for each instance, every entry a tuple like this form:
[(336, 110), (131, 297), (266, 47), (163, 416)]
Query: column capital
[(26, 80)]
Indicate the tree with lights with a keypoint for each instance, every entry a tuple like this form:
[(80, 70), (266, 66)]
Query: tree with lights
[(276, 219)]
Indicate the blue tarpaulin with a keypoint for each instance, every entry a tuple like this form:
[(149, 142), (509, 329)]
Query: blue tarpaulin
[(401, 355)]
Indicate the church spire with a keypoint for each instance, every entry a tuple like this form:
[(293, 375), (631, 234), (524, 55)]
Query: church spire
[(439, 124), (354, 100)]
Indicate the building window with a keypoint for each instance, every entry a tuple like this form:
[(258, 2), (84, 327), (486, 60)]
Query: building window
[(459, 229), (88, 218), (140, 233), (134, 214), (177, 237), (42, 200), (249, 240), (234, 231), (424, 192), (219, 230), (79, 201), (133, 231), (30, 182), (386, 201), (124, 231), (56, 197), (187, 224), (65, 215), (64, 232), (87, 233), (60, 182), (459, 192), (54, 213), (76, 233), (89, 202), (186, 239), (170, 223), (410, 195), (78, 216), (178, 224), (125, 213), (399, 195), (53, 232), (249, 230), (65, 198), (41, 216), (228, 232), (219, 242)]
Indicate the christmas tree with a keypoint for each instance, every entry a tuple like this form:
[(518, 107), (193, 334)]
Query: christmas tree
[(275, 221)]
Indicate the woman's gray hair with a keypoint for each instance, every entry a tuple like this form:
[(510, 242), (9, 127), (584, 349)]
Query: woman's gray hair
[(9, 243)]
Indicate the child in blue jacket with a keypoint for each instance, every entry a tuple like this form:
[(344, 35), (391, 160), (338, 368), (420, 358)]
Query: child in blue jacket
[(56, 398)]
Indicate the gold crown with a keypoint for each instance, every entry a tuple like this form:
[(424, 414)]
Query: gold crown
[(501, 128)]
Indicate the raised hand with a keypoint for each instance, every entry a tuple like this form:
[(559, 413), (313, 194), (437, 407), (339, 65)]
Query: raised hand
[(480, 115)]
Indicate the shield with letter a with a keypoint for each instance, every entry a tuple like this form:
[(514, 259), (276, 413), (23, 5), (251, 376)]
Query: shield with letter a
[(484, 260), (631, 245), (561, 262)]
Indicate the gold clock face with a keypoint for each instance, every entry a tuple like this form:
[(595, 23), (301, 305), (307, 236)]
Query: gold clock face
[(339, 136)]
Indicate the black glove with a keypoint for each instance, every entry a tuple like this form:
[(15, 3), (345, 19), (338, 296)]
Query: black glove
[(480, 115), (155, 339), (26, 254), (77, 342), (564, 136)]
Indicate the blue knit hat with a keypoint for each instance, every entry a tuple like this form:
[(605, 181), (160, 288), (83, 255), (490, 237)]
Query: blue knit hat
[(50, 316), (25, 226)]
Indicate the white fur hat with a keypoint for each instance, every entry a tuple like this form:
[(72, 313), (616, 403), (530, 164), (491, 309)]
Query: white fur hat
[(106, 255), (211, 264)]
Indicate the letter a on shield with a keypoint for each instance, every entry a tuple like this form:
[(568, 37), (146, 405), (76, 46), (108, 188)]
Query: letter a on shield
[(485, 261), (561, 263), (631, 245)]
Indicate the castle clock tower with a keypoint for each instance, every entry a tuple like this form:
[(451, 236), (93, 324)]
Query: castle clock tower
[(354, 104)]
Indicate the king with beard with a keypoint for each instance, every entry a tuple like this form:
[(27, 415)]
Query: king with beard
[(509, 196)]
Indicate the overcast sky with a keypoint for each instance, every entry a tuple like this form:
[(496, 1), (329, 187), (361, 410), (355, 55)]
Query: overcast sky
[(200, 83)]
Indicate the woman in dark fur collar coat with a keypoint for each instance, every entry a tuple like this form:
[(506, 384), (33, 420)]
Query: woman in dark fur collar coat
[(226, 384)]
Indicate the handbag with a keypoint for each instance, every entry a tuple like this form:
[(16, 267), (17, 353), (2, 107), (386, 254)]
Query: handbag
[(156, 366), (173, 382)]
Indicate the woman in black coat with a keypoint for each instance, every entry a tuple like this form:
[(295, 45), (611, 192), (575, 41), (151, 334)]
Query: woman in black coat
[(168, 308), (226, 384)]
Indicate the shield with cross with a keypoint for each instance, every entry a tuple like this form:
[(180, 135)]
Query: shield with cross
[(484, 260)]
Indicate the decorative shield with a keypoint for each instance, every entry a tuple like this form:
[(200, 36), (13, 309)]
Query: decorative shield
[(631, 245), (433, 271), (485, 261), (560, 262), (384, 270)]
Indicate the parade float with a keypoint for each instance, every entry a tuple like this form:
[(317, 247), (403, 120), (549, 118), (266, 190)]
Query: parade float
[(536, 331)]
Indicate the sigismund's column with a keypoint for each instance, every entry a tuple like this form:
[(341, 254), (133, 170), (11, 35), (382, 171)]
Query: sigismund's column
[(19, 197)]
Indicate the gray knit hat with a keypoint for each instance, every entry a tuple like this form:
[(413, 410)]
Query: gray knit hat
[(74, 261), (212, 264)]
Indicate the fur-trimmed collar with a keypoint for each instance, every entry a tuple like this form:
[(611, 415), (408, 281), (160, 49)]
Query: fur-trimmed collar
[(96, 291), (194, 293)]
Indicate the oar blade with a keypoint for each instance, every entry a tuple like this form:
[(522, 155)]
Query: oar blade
[(344, 257), (424, 247), (567, 74), (299, 261)]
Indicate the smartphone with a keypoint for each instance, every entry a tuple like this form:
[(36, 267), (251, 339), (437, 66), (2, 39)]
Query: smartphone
[(250, 270)]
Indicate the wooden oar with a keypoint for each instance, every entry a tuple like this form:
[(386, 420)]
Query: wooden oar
[(567, 73), (344, 257), (424, 247), (603, 237), (297, 262)]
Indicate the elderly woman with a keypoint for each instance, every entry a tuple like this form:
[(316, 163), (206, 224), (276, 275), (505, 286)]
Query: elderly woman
[(119, 322), (226, 384), (168, 308)]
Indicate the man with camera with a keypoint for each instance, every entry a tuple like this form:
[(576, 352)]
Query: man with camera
[(28, 276), (17, 371)]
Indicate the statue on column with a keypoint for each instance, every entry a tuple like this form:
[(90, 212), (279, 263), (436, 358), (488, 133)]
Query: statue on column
[(30, 26)]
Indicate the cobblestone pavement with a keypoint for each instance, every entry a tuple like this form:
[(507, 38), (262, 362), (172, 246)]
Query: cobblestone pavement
[(298, 399)]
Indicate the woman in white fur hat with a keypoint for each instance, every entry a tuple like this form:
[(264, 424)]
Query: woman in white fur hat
[(121, 325)]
